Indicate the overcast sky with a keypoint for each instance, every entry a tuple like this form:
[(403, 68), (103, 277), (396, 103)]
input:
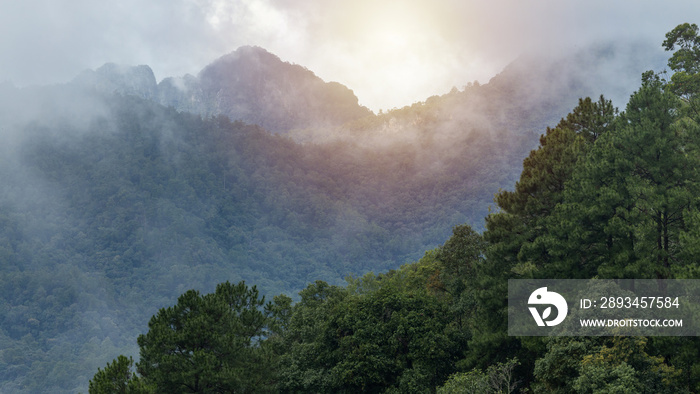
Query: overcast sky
[(391, 53)]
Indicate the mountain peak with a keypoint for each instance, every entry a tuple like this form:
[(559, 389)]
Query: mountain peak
[(255, 86), (129, 80), (249, 84), (250, 55), (254, 51)]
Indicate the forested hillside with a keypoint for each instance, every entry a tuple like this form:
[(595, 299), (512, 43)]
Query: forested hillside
[(606, 194), (113, 205)]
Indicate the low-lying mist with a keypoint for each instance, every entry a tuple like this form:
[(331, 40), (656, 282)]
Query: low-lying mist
[(113, 204)]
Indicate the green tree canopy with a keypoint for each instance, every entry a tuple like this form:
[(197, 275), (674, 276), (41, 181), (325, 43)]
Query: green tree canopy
[(215, 342), (629, 206), (685, 61), (117, 377)]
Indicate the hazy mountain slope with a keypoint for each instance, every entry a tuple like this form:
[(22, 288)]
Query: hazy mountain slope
[(112, 78), (256, 87), (113, 210), (249, 84), (533, 92), (113, 205)]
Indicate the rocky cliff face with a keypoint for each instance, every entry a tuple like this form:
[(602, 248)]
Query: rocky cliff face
[(137, 81)]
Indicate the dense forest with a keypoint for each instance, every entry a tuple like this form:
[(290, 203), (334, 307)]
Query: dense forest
[(100, 229), (606, 194), (117, 202), (113, 205)]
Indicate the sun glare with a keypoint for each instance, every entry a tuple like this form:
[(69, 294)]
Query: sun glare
[(400, 46), (391, 53)]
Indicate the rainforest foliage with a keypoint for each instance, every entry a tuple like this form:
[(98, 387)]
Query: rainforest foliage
[(606, 194)]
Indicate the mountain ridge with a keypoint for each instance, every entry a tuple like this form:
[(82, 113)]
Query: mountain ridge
[(249, 84), (115, 204), (255, 86)]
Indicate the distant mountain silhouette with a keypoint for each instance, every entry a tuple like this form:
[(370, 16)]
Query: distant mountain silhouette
[(530, 94), (250, 84)]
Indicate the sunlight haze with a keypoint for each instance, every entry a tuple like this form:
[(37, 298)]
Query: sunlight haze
[(390, 53)]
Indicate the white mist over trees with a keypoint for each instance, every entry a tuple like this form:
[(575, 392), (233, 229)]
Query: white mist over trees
[(113, 204)]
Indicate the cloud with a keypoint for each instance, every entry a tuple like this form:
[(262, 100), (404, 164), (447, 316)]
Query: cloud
[(452, 42), (391, 53)]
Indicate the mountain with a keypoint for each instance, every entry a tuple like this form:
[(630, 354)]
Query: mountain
[(530, 94), (250, 84), (113, 78), (115, 204)]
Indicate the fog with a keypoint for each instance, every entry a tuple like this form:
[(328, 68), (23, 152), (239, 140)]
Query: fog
[(530, 94), (390, 53)]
